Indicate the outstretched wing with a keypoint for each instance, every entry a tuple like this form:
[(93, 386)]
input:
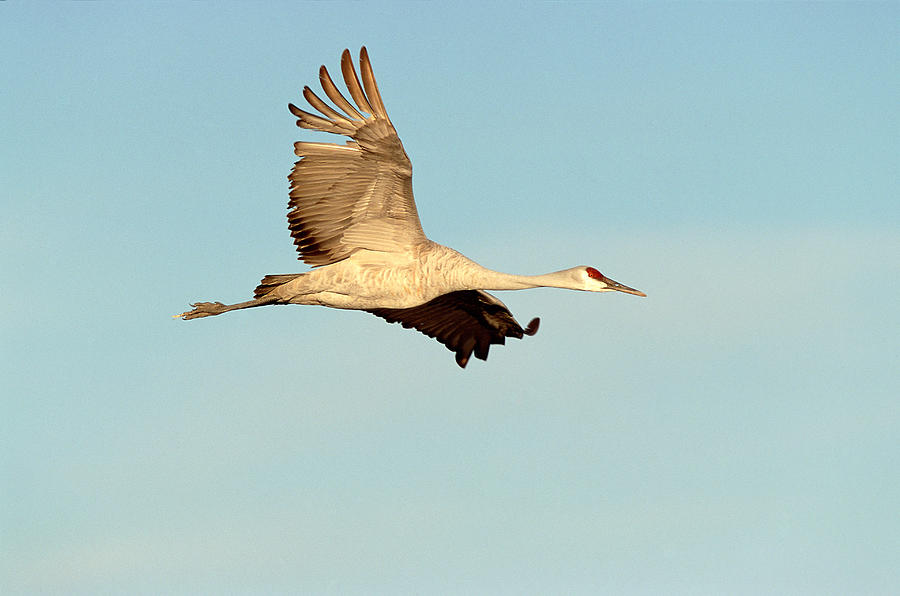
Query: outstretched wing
[(348, 197), (464, 321)]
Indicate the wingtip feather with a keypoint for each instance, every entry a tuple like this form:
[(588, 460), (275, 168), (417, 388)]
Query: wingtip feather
[(295, 110)]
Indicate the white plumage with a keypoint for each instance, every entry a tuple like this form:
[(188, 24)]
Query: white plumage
[(354, 220)]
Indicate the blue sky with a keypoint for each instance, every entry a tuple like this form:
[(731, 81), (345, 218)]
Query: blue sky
[(735, 432)]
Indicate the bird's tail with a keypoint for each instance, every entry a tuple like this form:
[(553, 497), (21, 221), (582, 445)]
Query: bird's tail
[(270, 282)]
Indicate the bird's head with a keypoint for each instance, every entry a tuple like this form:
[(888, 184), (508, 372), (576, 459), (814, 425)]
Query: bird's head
[(592, 280)]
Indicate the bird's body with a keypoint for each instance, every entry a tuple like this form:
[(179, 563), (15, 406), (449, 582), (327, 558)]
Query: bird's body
[(353, 218), (371, 279)]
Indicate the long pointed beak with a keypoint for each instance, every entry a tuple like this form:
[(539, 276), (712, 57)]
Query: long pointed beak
[(614, 285)]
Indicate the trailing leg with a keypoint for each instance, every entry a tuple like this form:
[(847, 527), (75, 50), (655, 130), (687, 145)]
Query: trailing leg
[(209, 309)]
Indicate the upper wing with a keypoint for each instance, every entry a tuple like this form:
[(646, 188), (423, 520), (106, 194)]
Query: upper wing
[(353, 196), (464, 321)]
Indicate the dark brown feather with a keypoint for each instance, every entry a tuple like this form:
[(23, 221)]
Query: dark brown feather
[(465, 321)]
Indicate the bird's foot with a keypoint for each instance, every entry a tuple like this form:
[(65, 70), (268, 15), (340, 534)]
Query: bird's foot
[(202, 309)]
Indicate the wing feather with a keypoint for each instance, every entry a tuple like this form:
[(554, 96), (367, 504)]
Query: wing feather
[(352, 82), (316, 102), (362, 186), (368, 79), (465, 321), (334, 94)]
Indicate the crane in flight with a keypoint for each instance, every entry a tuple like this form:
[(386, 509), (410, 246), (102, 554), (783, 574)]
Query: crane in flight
[(354, 221)]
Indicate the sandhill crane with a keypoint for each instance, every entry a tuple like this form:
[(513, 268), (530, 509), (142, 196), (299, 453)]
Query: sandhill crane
[(354, 220)]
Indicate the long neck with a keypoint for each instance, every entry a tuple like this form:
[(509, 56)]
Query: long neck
[(481, 278), (462, 273)]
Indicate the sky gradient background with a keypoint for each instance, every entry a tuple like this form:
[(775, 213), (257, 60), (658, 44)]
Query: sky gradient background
[(735, 432)]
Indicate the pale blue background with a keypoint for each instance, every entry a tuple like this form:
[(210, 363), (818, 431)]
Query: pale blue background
[(735, 432)]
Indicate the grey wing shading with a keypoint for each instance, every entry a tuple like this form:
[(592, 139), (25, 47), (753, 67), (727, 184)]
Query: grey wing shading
[(353, 196), (464, 321)]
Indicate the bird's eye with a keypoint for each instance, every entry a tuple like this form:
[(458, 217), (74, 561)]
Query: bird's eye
[(594, 274)]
